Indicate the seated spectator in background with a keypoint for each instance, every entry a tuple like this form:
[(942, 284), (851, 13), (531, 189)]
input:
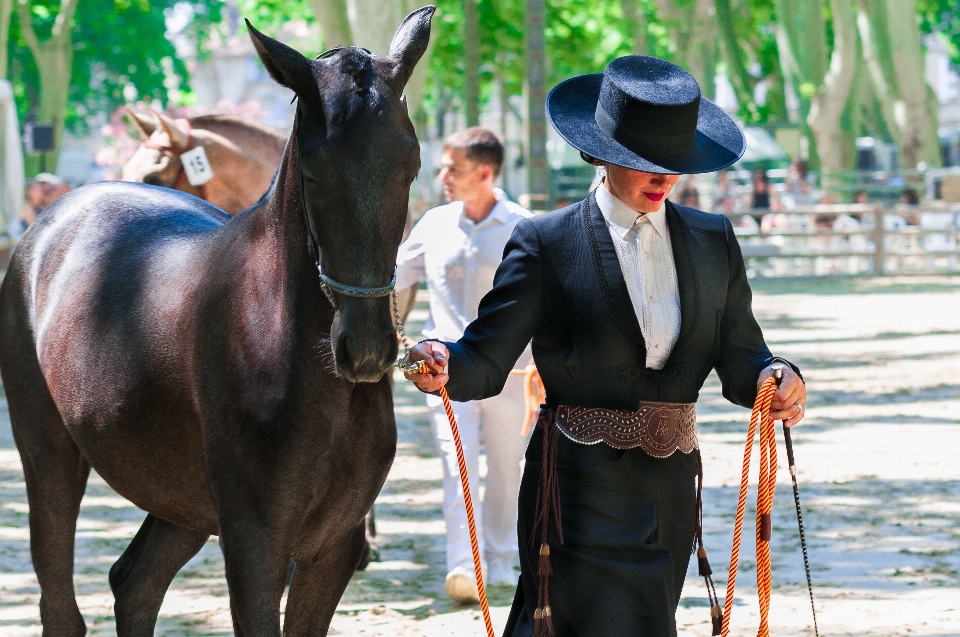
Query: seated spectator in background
[(689, 196), (909, 197), (763, 197), (723, 192), (861, 196), (774, 222), (798, 191), (843, 223), (725, 205), (745, 225), (41, 191)]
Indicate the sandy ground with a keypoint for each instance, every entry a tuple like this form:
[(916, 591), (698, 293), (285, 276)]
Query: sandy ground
[(878, 466)]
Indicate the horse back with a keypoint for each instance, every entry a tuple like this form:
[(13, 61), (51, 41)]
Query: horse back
[(102, 288)]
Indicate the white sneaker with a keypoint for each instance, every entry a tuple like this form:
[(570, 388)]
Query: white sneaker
[(501, 572), (461, 586)]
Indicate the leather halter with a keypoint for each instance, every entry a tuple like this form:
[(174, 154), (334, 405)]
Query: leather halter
[(191, 144)]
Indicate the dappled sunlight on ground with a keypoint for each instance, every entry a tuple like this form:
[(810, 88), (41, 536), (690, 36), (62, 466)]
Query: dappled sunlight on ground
[(876, 457)]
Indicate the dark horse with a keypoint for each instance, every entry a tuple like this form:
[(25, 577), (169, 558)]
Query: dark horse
[(196, 363)]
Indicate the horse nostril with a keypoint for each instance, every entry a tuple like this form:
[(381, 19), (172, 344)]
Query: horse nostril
[(342, 353)]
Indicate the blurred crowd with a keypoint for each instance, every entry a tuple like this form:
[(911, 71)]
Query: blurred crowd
[(799, 189), (40, 192)]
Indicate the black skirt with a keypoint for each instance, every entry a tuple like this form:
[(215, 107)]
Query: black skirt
[(628, 527)]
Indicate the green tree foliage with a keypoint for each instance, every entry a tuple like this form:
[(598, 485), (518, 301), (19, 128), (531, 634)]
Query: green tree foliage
[(942, 17), (580, 38), (269, 16), (117, 45)]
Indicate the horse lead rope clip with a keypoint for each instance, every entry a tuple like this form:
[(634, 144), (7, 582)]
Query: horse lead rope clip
[(765, 489)]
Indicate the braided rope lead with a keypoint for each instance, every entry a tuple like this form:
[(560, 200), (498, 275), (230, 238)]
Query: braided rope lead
[(768, 477), (468, 503)]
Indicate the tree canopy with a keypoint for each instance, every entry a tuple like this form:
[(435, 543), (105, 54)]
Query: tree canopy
[(120, 52), (777, 54)]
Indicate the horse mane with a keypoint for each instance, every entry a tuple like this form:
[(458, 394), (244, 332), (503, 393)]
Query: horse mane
[(231, 122)]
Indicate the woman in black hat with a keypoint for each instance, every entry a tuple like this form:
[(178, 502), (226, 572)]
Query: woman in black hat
[(630, 301)]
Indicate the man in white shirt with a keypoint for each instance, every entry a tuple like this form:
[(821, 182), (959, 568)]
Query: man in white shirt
[(456, 248)]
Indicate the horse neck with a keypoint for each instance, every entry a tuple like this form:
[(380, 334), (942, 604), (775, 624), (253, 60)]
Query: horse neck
[(276, 226)]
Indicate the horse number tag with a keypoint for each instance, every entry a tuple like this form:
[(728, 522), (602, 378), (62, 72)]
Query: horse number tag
[(197, 166)]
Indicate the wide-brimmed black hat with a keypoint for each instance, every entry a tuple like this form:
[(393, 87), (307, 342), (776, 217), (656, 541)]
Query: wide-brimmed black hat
[(646, 114)]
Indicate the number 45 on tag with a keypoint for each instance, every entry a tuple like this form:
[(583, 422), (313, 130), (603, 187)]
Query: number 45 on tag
[(197, 166)]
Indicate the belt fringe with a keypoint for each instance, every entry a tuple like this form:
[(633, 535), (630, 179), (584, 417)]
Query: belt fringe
[(548, 506)]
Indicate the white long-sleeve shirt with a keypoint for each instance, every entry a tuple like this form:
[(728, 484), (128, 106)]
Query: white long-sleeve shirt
[(642, 242), (458, 259)]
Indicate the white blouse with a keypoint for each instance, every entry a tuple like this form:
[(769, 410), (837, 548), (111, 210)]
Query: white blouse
[(642, 242)]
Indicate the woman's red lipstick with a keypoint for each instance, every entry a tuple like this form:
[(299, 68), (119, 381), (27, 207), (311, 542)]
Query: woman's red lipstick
[(654, 196)]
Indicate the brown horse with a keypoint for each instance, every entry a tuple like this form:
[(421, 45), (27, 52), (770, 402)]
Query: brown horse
[(243, 155), (207, 370)]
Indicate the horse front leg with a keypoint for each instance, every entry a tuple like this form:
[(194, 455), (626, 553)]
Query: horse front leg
[(256, 558), (318, 585)]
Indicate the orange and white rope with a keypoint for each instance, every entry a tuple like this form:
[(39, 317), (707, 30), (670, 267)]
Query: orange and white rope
[(767, 485), (468, 503)]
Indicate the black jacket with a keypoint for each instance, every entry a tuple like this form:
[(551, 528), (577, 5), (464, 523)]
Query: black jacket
[(560, 284)]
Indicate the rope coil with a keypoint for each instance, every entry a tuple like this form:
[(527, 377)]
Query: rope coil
[(759, 418)]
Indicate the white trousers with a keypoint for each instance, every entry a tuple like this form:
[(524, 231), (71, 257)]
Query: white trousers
[(501, 419)]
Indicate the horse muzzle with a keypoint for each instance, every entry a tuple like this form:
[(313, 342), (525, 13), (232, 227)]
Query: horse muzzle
[(364, 340)]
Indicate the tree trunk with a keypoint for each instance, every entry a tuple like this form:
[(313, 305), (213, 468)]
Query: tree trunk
[(54, 60), (471, 62), (732, 53), (373, 23), (692, 27), (333, 17), (802, 49), (912, 112), (872, 28), (538, 173), (6, 13), (830, 100), (636, 19)]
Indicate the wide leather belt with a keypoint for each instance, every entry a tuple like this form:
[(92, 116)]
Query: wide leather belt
[(658, 428)]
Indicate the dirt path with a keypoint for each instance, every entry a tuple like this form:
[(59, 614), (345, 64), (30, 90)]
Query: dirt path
[(877, 459)]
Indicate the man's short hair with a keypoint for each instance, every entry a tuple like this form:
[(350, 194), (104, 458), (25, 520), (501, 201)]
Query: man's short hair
[(480, 145)]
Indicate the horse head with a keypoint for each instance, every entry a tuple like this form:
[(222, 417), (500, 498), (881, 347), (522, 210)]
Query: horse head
[(157, 160), (358, 155)]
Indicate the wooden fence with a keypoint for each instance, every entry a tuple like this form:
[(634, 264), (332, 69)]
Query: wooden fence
[(850, 239)]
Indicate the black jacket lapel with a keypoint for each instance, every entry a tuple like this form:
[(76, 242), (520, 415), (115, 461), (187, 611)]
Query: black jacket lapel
[(612, 286), (688, 280)]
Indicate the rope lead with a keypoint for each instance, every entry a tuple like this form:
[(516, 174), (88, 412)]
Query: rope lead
[(765, 489), (767, 484), (468, 503)]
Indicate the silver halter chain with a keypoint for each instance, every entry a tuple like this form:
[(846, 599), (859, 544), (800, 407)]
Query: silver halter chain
[(403, 363)]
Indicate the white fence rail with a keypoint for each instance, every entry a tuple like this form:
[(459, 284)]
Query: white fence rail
[(850, 239)]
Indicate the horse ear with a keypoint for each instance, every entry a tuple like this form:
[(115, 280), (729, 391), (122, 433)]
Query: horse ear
[(410, 42), (178, 137), (285, 65), (142, 124)]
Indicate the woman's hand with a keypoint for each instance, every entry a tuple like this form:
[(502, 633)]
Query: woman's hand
[(789, 403), (435, 355)]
